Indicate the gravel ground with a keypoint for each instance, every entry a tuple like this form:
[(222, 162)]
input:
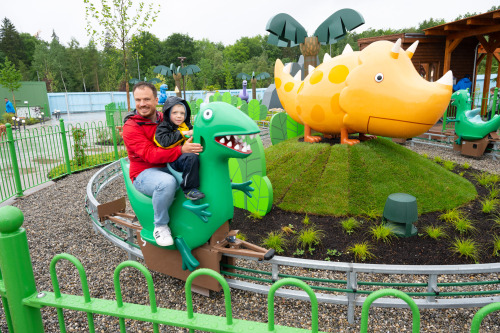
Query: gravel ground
[(55, 222)]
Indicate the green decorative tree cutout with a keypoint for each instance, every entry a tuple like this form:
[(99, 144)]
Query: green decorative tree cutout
[(226, 97), (253, 79), (283, 127), (256, 111), (178, 73), (252, 168), (285, 31)]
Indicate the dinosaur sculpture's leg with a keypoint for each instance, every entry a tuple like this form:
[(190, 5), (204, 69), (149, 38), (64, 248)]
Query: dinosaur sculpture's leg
[(308, 137), (344, 137), (188, 261), (365, 137)]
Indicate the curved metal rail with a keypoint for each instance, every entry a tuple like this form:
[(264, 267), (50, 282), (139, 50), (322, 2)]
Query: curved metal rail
[(343, 283)]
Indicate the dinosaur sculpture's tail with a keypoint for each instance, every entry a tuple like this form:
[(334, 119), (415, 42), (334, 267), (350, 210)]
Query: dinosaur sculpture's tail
[(287, 85)]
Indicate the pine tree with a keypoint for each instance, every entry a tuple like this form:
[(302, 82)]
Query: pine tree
[(10, 41)]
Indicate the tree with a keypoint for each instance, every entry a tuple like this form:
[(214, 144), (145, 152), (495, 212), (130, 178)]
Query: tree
[(253, 79), (285, 31), (10, 41), (114, 19), (10, 78)]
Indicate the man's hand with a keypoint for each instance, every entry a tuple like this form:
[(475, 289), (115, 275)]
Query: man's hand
[(190, 147)]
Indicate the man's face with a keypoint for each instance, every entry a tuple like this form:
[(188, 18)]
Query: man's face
[(145, 102), (177, 114)]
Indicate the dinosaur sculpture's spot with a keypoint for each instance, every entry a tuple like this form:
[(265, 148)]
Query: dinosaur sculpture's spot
[(289, 86), (300, 88), (277, 82), (316, 77), (317, 113), (338, 74), (335, 104), (299, 110)]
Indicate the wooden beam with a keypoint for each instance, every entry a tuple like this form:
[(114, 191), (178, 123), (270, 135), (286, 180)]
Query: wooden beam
[(477, 31), (456, 27), (486, 44), (440, 32), (450, 46), (496, 15), (486, 86), (480, 21)]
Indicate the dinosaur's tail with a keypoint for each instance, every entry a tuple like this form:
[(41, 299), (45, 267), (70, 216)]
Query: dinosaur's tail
[(287, 87)]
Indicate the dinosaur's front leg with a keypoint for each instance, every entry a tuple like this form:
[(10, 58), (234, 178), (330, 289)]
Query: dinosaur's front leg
[(188, 260), (308, 137), (344, 137)]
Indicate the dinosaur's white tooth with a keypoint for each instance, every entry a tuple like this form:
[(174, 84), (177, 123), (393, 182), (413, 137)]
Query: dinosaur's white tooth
[(222, 141), (229, 144), (237, 147), (244, 149), (228, 137), (252, 136)]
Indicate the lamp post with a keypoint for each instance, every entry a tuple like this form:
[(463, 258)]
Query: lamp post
[(24, 125), (18, 123), (28, 105), (14, 123)]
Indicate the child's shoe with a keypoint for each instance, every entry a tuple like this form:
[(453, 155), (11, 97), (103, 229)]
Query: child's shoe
[(194, 194), (163, 236)]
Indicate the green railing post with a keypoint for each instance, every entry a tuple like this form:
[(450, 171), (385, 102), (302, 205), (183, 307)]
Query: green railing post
[(65, 146), (111, 125), (18, 278), (479, 316), (13, 157)]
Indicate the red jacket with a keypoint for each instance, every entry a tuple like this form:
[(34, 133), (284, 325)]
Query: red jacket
[(143, 153)]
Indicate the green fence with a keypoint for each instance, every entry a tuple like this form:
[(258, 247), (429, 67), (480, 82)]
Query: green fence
[(32, 156), (22, 302)]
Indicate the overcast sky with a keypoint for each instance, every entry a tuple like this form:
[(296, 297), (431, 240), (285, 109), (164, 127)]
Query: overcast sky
[(227, 20)]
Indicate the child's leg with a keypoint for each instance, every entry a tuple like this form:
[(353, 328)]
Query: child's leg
[(189, 165)]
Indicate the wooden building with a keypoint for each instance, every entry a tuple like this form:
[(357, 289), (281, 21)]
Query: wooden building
[(458, 45)]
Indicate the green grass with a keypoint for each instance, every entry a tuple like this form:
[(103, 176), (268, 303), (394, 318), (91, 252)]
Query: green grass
[(361, 251), (350, 225), (466, 248), (494, 192), (489, 205), (382, 232), (342, 180), (435, 232), (496, 246), (275, 240), (487, 179), (452, 215), (463, 225)]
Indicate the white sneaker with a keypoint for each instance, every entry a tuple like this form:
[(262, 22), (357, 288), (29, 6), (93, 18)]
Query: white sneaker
[(163, 236)]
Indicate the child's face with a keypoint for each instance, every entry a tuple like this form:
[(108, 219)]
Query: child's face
[(177, 114)]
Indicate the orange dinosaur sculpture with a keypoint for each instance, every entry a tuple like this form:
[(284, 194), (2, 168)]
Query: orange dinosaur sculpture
[(376, 91)]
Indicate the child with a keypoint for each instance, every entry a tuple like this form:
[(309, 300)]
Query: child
[(171, 132)]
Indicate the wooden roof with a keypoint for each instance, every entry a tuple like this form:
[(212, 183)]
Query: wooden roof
[(481, 24)]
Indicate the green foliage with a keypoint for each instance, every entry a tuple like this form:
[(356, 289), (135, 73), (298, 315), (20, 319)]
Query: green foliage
[(434, 232), (226, 97), (496, 220), (275, 240), (309, 237), (277, 128), (361, 251), (255, 216), (451, 215), (299, 252), (494, 192), (466, 165), (463, 225), (306, 220), (489, 205), (466, 248), (350, 225), (256, 111), (79, 145), (438, 159), (449, 165), (382, 232), (496, 245), (241, 236), (293, 128), (10, 78), (288, 229), (487, 179), (332, 253)]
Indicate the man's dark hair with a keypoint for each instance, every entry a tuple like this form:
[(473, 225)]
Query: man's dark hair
[(143, 84)]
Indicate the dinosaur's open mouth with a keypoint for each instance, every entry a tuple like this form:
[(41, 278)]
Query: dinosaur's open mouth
[(235, 142)]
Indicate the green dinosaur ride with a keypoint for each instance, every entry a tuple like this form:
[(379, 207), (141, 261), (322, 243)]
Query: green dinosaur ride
[(220, 128), (468, 123)]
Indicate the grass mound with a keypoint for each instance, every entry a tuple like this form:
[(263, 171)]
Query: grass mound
[(343, 180)]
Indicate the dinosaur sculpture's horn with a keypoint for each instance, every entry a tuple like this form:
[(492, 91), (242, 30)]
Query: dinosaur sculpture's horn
[(446, 79), (287, 69), (298, 76), (326, 57), (411, 50), (396, 48), (347, 49)]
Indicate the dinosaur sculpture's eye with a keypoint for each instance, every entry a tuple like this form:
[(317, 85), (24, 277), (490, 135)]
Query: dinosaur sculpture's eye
[(207, 114), (379, 77)]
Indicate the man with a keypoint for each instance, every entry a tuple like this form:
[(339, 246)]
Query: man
[(9, 108), (148, 170)]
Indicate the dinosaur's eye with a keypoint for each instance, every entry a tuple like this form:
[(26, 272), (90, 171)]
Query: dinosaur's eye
[(207, 114), (379, 77)]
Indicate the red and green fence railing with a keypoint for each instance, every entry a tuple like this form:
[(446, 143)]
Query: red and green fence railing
[(33, 156)]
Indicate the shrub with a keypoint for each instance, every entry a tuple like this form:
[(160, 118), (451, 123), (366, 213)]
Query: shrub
[(382, 232), (299, 252), (438, 159), (466, 165), (489, 205), (425, 155), (306, 220), (463, 225), (79, 145), (350, 224), (309, 237), (466, 248), (372, 214), (494, 192), (449, 165), (496, 245), (275, 240), (361, 251), (241, 236), (434, 232), (451, 215), (255, 216), (487, 179)]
